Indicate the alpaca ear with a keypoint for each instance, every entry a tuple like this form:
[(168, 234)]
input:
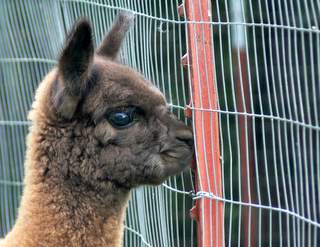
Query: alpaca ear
[(111, 44), (73, 68)]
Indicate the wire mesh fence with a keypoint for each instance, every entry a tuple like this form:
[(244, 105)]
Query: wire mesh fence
[(267, 74), (264, 57)]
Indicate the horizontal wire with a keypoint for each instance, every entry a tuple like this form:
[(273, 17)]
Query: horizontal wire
[(312, 29), (27, 60), (296, 122), (306, 125), (138, 234), (176, 106), (210, 195), (12, 123), (204, 194), (189, 193), (11, 183), (291, 121)]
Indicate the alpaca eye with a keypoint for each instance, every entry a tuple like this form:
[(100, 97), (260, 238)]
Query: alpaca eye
[(122, 118)]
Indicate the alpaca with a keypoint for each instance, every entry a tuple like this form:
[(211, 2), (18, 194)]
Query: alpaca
[(99, 129)]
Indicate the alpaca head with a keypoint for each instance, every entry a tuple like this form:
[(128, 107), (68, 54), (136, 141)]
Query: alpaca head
[(128, 135)]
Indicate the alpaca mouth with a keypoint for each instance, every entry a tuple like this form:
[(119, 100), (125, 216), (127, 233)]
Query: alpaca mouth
[(177, 160), (183, 153), (172, 154)]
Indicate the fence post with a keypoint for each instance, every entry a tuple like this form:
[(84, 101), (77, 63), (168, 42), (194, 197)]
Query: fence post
[(209, 212)]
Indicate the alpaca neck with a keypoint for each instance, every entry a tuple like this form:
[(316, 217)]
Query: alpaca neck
[(56, 213)]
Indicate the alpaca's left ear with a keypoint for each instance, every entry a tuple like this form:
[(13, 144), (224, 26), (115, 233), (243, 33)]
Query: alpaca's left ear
[(111, 44), (74, 68)]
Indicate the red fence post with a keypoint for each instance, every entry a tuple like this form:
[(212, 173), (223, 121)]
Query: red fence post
[(204, 96)]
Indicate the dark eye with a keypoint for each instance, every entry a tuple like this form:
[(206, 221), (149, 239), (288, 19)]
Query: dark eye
[(122, 118)]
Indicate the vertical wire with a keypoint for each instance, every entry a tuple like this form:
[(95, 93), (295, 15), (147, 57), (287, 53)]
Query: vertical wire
[(291, 112), (296, 158), (157, 79), (236, 120), (10, 116), (187, 35), (178, 54), (254, 122), (317, 119), (221, 129), (227, 115), (302, 143), (308, 119), (285, 127), (278, 113), (271, 86), (10, 129), (167, 33), (150, 218), (246, 47), (262, 110), (315, 113), (228, 121), (166, 212), (295, 116)]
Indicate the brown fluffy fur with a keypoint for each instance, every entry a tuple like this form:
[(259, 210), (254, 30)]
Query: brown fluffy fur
[(79, 168)]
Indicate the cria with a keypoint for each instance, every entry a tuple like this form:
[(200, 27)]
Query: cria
[(99, 129)]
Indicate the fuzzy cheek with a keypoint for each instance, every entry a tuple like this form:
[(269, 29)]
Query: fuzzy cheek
[(153, 172), (104, 132)]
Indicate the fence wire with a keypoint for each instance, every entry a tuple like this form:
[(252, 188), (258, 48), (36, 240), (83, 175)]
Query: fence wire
[(266, 61)]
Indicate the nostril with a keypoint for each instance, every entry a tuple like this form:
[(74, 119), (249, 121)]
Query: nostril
[(188, 141), (184, 135)]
